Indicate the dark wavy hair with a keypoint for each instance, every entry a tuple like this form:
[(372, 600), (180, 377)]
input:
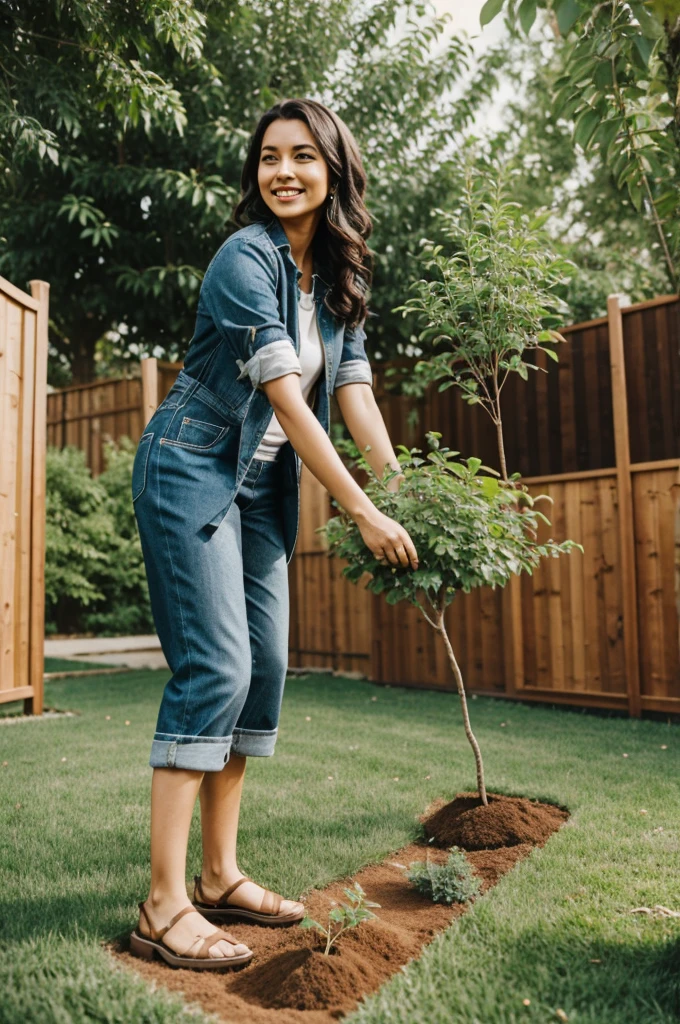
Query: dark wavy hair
[(339, 245)]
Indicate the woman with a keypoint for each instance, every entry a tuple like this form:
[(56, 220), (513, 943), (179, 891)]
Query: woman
[(215, 487)]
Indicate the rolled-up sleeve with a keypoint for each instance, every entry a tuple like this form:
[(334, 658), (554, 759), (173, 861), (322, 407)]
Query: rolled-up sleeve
[(354, 366), (239, 292)]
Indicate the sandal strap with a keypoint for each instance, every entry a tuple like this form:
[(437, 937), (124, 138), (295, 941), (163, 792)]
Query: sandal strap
[(210, 941), (231, 888), (200, 897), (154, 934), (271, 903)]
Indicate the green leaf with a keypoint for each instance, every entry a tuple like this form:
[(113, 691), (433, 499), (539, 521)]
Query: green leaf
[(645, 47), (650, 25), (585, 125), (606, 132), (568, 12), (489, 11), (527, 14)]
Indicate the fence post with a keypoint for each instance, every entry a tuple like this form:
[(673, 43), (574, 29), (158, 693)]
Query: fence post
[(149, 388), (40, 290), (624, 484)]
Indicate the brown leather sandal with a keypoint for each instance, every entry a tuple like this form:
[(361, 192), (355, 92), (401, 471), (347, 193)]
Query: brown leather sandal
[(268, 914), (148, 946)]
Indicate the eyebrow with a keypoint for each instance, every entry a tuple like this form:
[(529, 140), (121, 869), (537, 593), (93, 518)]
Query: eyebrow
[(301, 145)]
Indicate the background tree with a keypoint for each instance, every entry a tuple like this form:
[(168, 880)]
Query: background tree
[(123, 130), (618, 84), (591, 221)]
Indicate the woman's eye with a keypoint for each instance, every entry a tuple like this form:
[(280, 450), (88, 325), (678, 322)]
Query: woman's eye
[(271, 156)]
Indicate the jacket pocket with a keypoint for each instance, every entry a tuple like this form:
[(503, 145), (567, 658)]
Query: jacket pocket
[(139, 466)]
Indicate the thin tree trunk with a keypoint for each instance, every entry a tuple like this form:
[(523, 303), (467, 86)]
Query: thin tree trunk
[(501, 449), (481, 786), (498, 420)]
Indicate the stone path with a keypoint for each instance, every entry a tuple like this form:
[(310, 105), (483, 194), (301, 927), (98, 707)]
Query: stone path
[(128, 651)]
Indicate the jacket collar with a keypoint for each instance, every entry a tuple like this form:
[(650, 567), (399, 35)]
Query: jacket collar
[(280, 241)]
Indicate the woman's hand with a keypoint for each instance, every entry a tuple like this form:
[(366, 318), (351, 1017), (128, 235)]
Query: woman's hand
[(386, 538)]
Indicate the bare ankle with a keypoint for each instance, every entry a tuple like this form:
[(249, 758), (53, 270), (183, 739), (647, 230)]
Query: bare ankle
[(219, 872), (158, 899)]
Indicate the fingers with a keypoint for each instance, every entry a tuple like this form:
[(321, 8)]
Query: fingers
[(399, 551)]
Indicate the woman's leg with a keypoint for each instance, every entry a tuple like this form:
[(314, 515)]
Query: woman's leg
[(265, 577), (173, 795), (220, 798)]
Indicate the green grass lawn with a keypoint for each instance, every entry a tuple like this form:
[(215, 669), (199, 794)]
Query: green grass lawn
[(71, 665), (74, 853)]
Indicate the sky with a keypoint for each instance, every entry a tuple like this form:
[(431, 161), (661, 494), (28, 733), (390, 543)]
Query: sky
[(464, 16)]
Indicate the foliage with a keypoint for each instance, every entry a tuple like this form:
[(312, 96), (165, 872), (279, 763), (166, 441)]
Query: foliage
[(589, 220), (124, 127), (470, 528), (493, 299), (345, 916), (77, 524), (469, 531), (452, 882), (493, 303), (94, 571), (619, 87), (126, 608)]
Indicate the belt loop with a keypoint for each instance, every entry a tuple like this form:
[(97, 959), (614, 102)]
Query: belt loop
[(187, 393)]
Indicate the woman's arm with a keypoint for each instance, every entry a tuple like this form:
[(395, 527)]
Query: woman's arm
[(365, 423), (385, 537)]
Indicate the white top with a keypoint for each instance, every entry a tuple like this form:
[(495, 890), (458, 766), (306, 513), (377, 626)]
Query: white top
[(311, 358)]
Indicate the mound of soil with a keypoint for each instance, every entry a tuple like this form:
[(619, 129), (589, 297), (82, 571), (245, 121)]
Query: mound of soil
[(505, 821), (290, 981), (307, 979)]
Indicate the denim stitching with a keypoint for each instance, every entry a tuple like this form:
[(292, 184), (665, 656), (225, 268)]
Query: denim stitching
[(150, 435), (197, 447), (167, 737), (174, 575), (253, 483)]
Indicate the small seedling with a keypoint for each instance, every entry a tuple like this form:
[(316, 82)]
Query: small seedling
[(345, 915), (452, 882)]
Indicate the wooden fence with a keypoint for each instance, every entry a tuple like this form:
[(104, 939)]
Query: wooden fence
[(600, 433), (23, 386)]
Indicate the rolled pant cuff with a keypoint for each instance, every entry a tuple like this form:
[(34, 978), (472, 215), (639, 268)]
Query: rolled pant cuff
[(196, 753), (251, 743)]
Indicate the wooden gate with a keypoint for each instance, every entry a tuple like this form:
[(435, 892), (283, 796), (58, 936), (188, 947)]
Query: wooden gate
[(23, 389)]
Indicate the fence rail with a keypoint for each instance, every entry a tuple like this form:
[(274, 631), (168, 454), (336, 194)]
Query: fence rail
[(600, 433), (23, 386)]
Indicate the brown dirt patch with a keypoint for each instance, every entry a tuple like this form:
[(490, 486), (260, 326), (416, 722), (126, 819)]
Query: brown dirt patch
[(505, 821), (290, 981)]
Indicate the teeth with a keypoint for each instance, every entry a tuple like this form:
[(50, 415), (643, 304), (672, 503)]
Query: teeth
[(288, 192)]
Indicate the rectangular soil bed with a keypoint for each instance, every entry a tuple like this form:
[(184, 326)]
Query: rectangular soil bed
[(289, 979)]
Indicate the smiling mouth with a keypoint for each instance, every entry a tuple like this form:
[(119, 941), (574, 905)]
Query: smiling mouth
[(287, 193)]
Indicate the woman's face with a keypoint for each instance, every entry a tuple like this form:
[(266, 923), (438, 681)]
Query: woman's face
[(291, 160)]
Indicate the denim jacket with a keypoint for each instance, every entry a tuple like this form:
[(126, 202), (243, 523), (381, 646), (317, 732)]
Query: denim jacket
[(246, 334)]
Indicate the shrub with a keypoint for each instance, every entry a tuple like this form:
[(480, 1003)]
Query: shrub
[(452, 882), (94, 572)]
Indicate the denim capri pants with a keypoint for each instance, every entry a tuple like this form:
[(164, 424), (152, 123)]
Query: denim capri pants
[(219, 597)]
